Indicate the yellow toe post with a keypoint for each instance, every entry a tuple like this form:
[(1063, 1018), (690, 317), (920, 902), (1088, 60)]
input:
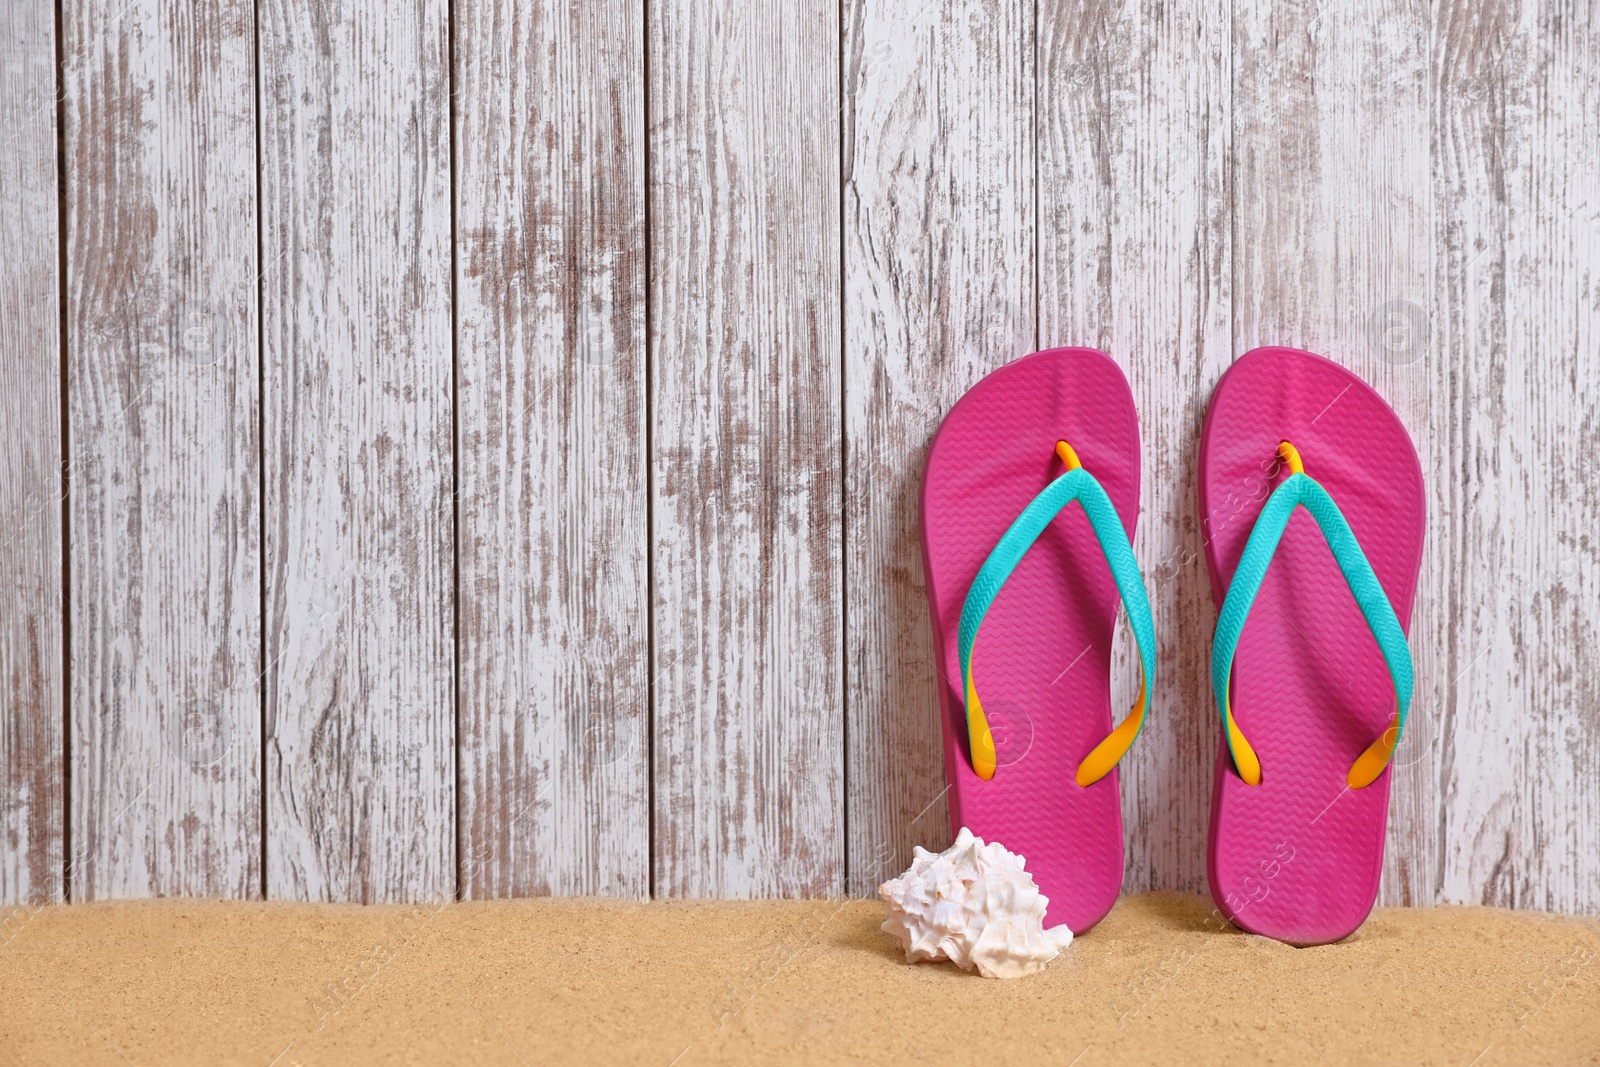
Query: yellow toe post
[(1291, 456), (1244, 757), (1365, 770), (1097, 764), (1068, 456), (979, 737)]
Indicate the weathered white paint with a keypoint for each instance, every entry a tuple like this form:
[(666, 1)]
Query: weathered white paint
[(32, 793), (163, 449), (696, 584), (1517, 420), (749, 756), (553, 533), (355, 223), (939, 289)]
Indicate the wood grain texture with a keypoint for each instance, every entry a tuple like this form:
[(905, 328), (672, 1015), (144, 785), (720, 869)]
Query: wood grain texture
[(162, 376), (939, 290), (553, 528), (692, 620), (1135, 258), (1332, 239), (749, 754), (1517, 188), (355, 175), (32, 687)]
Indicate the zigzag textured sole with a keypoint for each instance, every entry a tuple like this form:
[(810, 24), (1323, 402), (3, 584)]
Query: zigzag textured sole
[(1298, 858), (1042, 659)]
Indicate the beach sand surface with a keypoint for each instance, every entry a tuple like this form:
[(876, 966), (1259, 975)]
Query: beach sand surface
[(683, 984)]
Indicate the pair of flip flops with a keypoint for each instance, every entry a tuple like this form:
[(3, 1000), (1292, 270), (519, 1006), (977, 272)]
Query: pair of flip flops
[(1312, 514)]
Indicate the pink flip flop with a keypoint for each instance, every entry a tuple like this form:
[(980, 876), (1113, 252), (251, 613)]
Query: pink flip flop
[(1032, 763), (1314, 514)]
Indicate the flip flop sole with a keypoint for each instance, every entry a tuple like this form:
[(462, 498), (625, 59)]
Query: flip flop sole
[(1043, 657), (1298, 857)]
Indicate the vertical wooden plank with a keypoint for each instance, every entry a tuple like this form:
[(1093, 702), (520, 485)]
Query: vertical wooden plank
[(358, 386), (939, 289), (749, 754), (1554, 282), (1518, 192), (31, 684), (164, 451), (553, 525), (1135, 258), (1332, 252)]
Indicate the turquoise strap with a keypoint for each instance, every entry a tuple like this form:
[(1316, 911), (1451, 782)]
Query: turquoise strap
[(1076, 484), (1300, 490)]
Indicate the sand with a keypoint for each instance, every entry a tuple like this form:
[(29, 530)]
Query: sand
[(693, 983)]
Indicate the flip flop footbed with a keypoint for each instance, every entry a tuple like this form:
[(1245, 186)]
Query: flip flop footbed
[(1298, 857), (1042, 657)]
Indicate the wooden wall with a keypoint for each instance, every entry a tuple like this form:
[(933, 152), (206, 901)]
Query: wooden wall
[(470, 447)]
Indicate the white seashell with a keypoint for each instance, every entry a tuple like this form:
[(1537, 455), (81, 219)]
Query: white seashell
[(973, 904)]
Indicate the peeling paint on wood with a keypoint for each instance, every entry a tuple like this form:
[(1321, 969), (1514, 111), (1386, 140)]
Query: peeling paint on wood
[(163, 449), (32, 783), (1516, 414), (749, 753), (355, 223), (691, 623), (551, 449)]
